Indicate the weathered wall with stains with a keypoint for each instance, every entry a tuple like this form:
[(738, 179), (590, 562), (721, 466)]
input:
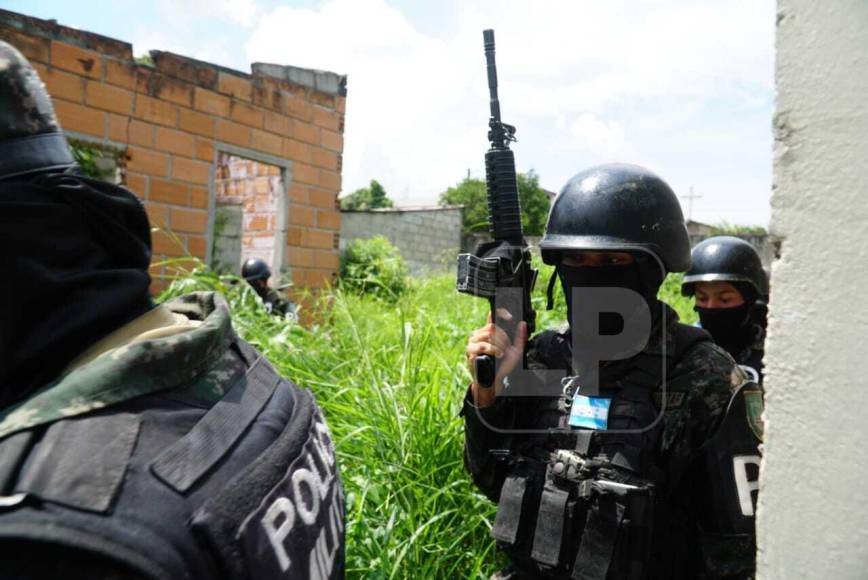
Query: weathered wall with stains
[(811, 518), (172, 119)]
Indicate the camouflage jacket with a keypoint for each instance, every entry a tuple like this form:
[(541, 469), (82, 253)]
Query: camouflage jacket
[(700, 386), (198, 363), (276, 303)]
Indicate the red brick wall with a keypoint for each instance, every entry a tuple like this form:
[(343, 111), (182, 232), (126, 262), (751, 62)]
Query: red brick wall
[(170, 118)]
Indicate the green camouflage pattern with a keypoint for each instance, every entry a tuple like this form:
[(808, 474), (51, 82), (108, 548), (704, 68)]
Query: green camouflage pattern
[(709, 377), (276, 303), (198, 363)]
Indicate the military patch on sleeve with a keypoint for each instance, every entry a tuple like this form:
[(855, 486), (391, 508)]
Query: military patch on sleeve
[(753, 402), (674, 399)]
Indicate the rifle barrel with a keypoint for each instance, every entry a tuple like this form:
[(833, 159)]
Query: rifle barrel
[(494, 102)]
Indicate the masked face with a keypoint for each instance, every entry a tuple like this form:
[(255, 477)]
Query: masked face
[(608, 270), (728, 326)]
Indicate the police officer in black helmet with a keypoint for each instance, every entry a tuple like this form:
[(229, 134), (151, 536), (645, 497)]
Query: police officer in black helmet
[(257, 273), (589, 483), (137, 440), (731, 290)]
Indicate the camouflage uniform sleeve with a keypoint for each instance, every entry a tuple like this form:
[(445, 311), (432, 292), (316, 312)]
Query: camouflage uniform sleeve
[(277, 303), (711, 378)]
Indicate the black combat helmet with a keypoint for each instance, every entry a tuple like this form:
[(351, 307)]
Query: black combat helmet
[(30, 137), (255, 269), (726, 259), (618, 207)]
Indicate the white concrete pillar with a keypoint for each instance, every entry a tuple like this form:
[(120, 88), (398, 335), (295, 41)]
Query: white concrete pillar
[(812, 519)]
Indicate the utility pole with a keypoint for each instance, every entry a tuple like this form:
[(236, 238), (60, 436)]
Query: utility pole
[(690, 197)]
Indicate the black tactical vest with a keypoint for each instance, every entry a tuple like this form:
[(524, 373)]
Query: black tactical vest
[(585, 504), (731, 481), (174, 489)]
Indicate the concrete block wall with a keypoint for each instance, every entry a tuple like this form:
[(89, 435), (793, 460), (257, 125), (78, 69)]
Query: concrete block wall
[(174, 117), (227, 252), (428, 238)]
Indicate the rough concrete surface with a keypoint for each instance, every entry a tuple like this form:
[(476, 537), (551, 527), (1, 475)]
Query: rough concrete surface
[(812, 518)]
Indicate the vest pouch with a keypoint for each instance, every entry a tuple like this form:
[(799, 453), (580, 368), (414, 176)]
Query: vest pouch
[(616, 541), (78, 463), (571, 527), (635, 536), (517, 509)]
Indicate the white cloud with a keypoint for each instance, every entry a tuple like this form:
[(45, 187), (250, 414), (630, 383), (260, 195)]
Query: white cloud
[(597, 135), (242, 12), (682, 86), (197, 28)]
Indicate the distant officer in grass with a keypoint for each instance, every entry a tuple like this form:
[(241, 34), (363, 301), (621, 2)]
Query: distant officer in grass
[(731, 290), (136, 440), (257, 273)]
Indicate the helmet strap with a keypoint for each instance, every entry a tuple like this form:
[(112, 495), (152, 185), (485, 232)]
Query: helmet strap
[(550, 290)]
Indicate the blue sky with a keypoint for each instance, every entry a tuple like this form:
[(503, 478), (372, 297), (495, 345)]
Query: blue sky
[(684, 87)]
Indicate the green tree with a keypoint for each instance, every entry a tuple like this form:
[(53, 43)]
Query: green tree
[(370, 197), (471, 194)]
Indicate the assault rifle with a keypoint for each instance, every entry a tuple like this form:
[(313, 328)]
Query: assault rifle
[(499, 270)]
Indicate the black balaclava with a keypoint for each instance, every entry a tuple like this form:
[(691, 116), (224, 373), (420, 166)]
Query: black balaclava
[(737, 327), (643, 276), (260, 286), (74, 256)]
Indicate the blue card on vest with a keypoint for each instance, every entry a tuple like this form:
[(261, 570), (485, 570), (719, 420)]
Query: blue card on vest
[(590, 412)]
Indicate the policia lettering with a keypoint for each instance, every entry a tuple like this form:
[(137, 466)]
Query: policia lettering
[(255, 478), (308, 508)]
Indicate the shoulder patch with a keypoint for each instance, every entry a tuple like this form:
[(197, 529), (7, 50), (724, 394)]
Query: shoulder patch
[(753, 402)]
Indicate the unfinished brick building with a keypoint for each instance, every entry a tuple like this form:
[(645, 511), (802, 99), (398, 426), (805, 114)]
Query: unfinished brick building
[(191, 137)]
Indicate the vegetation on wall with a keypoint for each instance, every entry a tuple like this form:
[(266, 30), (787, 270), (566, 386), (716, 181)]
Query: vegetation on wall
[(96, 162)]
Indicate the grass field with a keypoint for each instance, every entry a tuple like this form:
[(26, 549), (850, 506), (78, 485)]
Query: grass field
[(391, 377)]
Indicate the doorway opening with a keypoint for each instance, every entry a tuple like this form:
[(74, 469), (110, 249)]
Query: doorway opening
[(248, 216)]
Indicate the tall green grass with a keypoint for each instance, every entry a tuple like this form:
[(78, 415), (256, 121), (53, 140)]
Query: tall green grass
[(390, 377)]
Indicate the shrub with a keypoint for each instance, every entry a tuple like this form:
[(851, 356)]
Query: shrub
[(375, 267)]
